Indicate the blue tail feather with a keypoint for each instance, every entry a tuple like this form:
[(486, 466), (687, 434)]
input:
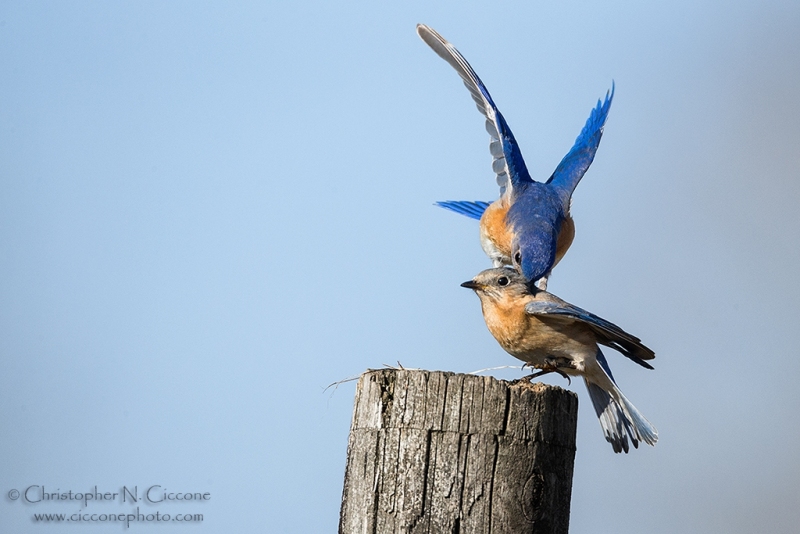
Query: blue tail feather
[(619, 419), (472, 209)]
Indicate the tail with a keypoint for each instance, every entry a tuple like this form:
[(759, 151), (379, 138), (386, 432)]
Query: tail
[(619, 419), (472, 209)]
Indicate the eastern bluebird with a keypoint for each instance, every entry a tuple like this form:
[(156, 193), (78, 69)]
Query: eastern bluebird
[(554, 336), (529, 226)]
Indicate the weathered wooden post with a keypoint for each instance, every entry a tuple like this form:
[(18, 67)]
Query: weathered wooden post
[(434, 452)]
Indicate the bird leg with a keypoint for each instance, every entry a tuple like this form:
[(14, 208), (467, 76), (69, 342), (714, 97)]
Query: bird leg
[(549, 366)]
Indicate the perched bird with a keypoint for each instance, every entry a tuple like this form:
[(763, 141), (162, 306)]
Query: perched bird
[(529, 226), (554, 336)]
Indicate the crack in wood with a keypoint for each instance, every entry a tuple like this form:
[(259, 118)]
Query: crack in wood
[(433, 452)]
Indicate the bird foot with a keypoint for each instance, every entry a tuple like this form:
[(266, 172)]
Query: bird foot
[(549, 366)]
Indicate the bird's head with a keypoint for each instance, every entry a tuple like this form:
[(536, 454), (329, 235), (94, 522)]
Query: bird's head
[(499, 284), (532, 259)]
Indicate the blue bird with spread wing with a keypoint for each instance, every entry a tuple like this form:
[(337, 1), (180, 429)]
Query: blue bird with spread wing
[(529, 226)]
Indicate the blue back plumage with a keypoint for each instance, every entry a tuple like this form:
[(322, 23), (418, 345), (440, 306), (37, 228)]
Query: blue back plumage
[(575, 164), (471, 208), (535, 216)]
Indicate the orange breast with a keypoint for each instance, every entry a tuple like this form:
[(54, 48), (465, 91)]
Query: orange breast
[(507, 322), (565, 236), (496, 235)]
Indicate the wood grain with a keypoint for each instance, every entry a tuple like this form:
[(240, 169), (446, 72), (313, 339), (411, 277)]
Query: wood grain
[(436, 452)]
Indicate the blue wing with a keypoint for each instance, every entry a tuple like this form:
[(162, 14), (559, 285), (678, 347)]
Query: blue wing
[(472, 209), (508, 164), (575, 164), (607, 332)]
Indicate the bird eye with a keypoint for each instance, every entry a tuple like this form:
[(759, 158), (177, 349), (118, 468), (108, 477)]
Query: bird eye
[(502, 281), (518, 258)]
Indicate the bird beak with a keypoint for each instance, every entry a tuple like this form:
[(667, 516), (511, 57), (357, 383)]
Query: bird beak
[(471, 284)]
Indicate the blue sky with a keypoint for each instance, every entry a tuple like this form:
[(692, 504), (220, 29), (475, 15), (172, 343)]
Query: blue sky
[(209, 212)]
